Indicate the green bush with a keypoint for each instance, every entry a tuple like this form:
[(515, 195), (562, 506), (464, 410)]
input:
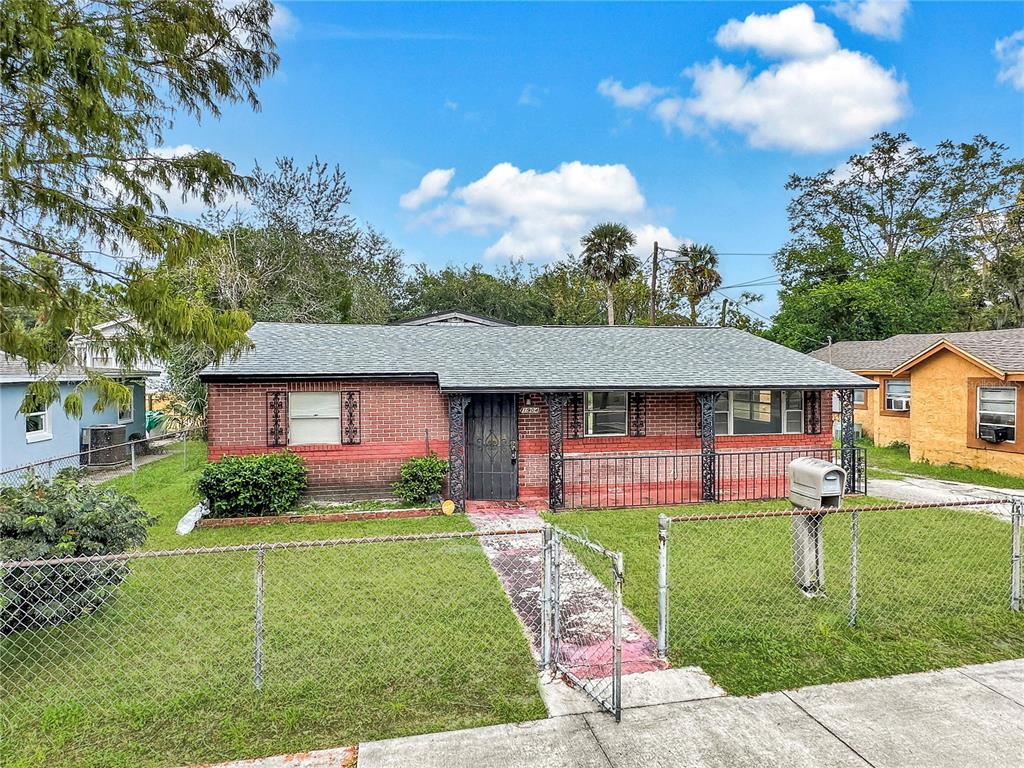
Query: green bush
[(63, 517), (420, 478), (253, 486)]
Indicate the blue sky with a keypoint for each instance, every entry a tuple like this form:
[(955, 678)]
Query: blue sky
[(682, 119)]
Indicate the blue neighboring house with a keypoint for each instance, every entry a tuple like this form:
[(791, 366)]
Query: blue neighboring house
[(28, 438)]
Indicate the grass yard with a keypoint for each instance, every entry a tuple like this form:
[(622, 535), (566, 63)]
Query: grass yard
[(360, 642), (897, 459), (933, 592)]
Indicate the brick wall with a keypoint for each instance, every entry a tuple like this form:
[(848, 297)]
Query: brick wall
[(395, 418)]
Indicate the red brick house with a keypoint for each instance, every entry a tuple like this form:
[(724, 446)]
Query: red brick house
[(566, 416)]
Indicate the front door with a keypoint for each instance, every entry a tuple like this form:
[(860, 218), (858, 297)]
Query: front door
[(491, 447)]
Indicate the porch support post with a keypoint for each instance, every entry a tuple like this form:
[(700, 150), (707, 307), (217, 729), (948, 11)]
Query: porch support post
[(706, 414), (556, 432), (457, 449), (846, 453)]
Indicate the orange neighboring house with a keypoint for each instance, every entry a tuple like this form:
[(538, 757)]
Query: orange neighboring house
[(955, 398)]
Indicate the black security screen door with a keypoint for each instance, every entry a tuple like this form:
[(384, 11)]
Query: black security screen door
[(491, 448)]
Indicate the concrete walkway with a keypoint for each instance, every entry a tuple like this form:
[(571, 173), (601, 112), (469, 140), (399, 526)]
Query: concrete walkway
[(911, 488), (586, 615), (971, 716)]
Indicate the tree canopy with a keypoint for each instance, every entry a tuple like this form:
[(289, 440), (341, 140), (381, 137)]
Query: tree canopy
[(607, 256), (86, 93)]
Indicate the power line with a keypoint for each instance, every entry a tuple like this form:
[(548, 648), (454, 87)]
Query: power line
[(748, 308)]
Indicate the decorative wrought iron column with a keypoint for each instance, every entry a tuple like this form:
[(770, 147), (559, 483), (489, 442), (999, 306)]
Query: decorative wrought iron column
[(846, 452), (706, 418), (457, 449), (556, 432)]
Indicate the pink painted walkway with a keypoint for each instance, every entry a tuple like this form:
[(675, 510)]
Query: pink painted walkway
[(586, 615)]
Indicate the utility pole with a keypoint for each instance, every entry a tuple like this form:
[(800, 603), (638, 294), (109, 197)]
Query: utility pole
[(829, 349), (654, 285), (725, 309)]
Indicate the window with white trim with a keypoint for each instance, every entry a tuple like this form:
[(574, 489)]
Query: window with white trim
[(314, 417), (858, 396), (127, 415), (604, 413), (997, 407), (897, 395), (760, 412), (37, 426)]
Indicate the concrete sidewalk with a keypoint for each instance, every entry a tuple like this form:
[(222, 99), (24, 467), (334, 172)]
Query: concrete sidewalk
[(971, 716)]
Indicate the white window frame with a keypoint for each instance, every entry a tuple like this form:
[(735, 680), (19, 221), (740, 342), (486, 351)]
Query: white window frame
[(901, 400), (862, 394), (292, 418), (978, 423), (131, 410), (588, 408), (783, 410), (39, 435)]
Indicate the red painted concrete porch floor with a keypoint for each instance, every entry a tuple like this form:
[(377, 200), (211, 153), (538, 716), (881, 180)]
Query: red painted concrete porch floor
[(586, 616)]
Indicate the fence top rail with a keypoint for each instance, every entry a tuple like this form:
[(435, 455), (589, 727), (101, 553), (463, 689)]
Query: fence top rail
[(802, 512), (695, 453), (586, 543), (266, 547), (64, 457)]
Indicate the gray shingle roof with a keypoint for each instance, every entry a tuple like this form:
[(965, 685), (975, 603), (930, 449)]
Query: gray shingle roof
[(14, 369), (532, 358), (1003, 350)]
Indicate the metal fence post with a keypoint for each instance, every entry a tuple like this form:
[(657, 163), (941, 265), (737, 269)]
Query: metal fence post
[(556, 596), (617, 577), (663, 525), (1016, 513), (257, 656), (854, 545), (132, 449), (545, 599)]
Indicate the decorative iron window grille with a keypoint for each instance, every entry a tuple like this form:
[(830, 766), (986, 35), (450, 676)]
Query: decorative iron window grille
[(637, 414), (812, 413), (277, 433), (351, 426), (575, 430)]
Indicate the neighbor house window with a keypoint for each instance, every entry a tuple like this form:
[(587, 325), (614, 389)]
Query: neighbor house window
[(605, 413), (127, 414), (858, 396), (997, 407), (314, 417), (37, 426), (897, 395), (759, 412)]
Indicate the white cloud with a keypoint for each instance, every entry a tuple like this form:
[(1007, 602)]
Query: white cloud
[(182, 205), (1010, 53), (806, 105), (434, 184), (790, 33), (818, 98), (530, 97), (283, 23), (451, 106), (540, 215), (879, 18), (637, 97)]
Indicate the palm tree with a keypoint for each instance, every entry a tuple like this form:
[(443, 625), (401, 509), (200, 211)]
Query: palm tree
[(695, 276), (607, 257)]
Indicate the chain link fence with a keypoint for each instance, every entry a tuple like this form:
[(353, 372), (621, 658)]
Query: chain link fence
[(774, 599), (104, 463), (146, 658)]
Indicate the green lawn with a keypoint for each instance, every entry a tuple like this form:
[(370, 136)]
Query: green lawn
[(933, 592), (360, 642), (897, 459)]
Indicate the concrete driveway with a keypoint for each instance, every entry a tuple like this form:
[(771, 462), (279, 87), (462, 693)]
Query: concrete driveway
[(911, 488), (970, 716)]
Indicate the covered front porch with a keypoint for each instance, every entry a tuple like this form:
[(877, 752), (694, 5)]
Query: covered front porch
[(617, 448)]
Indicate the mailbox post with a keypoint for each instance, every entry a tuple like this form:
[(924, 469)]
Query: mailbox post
[(813, 484)]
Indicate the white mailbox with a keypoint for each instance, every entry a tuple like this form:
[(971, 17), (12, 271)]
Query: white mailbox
[(813, 484)]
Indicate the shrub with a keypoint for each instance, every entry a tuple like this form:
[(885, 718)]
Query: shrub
[(63, 517), (253, 486), (420, 478)]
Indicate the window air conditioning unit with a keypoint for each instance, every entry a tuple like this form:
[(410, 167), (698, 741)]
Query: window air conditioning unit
[(993, 434), (104, 445)]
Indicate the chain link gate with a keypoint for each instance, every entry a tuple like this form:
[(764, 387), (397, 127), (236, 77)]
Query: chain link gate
[(581, 612)]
